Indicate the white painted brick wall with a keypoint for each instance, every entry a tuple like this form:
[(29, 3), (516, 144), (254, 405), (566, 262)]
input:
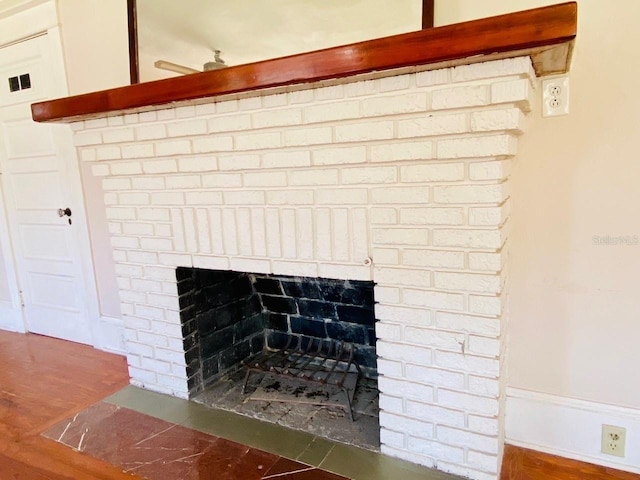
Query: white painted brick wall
[(408, 171), (456, 97)]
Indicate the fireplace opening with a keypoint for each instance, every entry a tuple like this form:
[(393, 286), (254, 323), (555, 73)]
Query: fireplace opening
[(239, 327)]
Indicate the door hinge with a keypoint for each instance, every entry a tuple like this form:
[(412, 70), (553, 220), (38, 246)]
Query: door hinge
[(21, 298)]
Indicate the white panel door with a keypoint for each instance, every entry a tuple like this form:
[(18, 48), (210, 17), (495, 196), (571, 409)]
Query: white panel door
[(38, 179)]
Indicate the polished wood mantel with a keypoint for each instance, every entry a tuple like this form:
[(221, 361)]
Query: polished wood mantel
[(545, 34)]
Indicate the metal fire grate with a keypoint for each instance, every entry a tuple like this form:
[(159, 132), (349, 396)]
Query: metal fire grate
[(329, 364)]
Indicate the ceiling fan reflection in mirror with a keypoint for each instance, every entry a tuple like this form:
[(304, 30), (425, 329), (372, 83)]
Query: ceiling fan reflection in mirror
[(216, 64)]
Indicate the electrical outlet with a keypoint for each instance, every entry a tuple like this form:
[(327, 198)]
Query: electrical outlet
[(555, 96), (613, 440)]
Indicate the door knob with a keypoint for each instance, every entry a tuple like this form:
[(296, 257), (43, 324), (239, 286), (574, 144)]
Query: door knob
[(64, 212)]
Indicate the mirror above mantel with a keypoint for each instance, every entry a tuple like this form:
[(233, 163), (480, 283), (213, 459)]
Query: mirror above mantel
[(169, 38)]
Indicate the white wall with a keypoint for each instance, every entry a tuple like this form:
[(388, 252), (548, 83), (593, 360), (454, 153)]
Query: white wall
[(5, 290), (574, 324), (454, 11), (247, 31), (96, 49), (5, 293), (100, 244), (95, 39), (10, 311)]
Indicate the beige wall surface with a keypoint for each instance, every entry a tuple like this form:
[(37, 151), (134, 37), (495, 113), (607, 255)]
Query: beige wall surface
[(96, 44), (103, 264), (574, 303), (188, 31)]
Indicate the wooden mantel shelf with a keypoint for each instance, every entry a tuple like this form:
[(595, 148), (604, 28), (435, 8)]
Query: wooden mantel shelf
[(545, 34)]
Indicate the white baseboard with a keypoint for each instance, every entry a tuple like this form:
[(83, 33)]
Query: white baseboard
[(570, 428), (111, 335)]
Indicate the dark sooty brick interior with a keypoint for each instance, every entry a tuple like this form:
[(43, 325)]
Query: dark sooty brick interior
[(320, 308), (228, 316), (222, 322)]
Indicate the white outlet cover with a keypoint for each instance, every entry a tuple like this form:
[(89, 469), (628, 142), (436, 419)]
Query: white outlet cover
[(555, 96), (614, 440)]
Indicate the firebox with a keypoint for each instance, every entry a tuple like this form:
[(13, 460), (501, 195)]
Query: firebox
[(229, 316)]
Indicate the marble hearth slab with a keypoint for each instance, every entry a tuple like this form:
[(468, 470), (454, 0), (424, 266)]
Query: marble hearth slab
[(154, 449)]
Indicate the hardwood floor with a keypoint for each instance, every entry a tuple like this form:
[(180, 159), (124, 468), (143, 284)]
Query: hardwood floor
[(43, 381), (523, 464)]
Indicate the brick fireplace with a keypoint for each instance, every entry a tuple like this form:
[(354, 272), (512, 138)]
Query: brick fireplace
[(400, 180)]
